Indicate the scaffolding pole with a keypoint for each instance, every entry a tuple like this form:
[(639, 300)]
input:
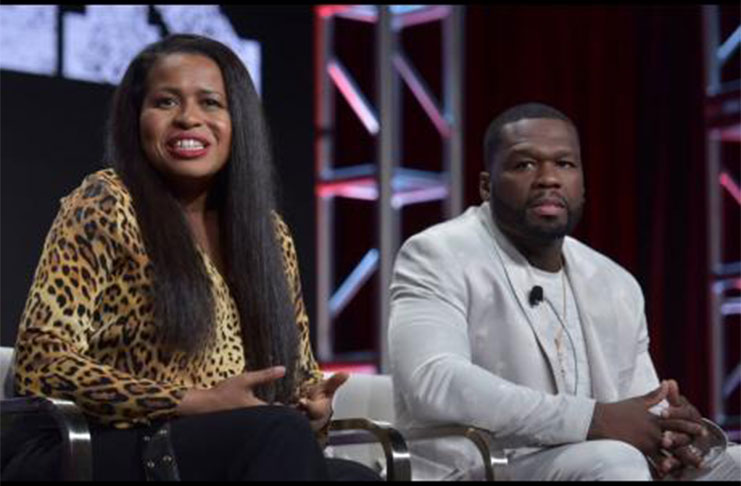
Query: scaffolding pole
[(385, 181), (723, 127)]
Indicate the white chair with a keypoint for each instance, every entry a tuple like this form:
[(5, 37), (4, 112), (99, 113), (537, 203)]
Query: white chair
[(371, 396)]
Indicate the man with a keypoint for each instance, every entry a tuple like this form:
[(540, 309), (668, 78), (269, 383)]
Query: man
[(502, 321)]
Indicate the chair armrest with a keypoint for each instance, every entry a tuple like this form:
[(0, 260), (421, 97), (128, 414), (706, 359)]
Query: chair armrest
[(77, 458), (481, 438), (363, 431)]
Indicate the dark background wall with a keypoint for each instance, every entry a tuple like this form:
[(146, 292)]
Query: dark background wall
[(629, 76)]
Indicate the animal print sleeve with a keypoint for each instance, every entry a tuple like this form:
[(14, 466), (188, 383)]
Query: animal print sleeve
[(87, 245), (308, 370)]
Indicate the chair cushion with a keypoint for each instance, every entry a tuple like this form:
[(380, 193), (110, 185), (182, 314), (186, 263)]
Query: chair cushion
[(367, 396), (6, 375)]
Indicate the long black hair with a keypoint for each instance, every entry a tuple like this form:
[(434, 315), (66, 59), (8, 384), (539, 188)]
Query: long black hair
[(243, 193)]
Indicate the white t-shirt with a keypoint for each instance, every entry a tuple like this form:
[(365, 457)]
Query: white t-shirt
[(566, 334)]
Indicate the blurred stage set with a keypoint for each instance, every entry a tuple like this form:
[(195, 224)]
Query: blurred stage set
[(377, 117)]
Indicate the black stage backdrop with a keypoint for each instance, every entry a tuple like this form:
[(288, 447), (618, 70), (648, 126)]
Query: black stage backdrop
[(629, 76)]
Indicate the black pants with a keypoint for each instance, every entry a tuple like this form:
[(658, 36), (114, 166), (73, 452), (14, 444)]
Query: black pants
[(252, 444)]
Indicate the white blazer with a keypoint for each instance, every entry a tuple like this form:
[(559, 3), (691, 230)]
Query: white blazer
[(466, 346)]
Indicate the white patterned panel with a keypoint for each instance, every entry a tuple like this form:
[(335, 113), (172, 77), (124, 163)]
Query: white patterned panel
[(28, 38), (99, 44)]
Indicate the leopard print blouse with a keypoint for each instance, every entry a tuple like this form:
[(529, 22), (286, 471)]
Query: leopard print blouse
[(87, 332)]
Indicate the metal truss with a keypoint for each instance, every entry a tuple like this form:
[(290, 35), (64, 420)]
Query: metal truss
[(384, 181), (723, 128)]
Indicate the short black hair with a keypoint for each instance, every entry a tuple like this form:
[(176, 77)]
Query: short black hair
[(518, 112)]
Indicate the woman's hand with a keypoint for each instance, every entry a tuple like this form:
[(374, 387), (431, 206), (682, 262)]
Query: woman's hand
[(316, 400), (234, 392)]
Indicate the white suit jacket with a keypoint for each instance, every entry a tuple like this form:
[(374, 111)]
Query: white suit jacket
[(466, 346)]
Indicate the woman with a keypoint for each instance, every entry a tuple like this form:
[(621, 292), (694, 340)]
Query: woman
[(167, 300)]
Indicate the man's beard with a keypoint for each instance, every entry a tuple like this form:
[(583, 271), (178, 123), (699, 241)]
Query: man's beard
[(516, 219)]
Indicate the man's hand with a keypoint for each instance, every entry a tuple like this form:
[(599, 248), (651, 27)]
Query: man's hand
[(630, 421), (316, 400), (682, 426), (234, 392)]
